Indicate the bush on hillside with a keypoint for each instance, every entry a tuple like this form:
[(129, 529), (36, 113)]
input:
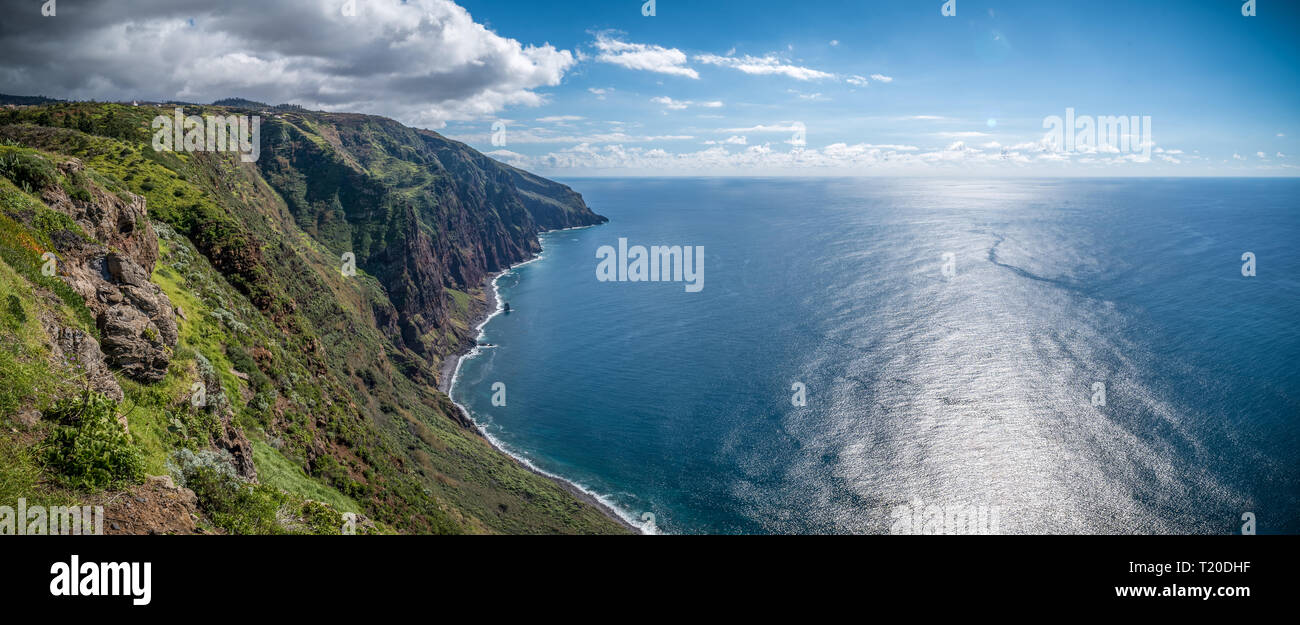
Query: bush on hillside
[(89, 448)]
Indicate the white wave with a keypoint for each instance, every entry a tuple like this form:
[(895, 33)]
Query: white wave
[(605, 500)]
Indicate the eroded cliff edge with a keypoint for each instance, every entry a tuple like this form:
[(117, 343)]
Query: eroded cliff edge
[(184, 268)]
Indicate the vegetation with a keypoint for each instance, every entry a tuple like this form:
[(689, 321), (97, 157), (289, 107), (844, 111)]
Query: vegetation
[(25, 168), (89, 449), (340, 407)]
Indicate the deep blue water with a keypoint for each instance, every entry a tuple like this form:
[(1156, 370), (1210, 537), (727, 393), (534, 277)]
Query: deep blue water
[(974, 389)]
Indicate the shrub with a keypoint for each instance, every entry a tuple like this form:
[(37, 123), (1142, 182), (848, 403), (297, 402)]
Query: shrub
[(233, 504), (219, 465), (89, 448), (26, 169), (75, 186), (16, 312)]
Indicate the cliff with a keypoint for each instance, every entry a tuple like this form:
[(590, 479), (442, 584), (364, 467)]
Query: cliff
[(207, 304)]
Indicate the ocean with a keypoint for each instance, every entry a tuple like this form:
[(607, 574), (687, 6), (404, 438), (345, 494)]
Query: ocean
[(1048, 356)]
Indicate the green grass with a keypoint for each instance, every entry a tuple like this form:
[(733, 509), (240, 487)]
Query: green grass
[(460, 302), (88, 449), (275, 470), (249, 252), (22, 247), (22, 475), (22, 355)]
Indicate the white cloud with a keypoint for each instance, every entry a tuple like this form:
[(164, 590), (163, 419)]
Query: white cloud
[(857, 81), (669, 103), (765, 65), (815, 97), (423, 64), (791, 127), (835, 159), (888, 147), (644, 57), (505, 155), (530, 136), (1262, 155), (1030, 145), (1238, 157), (677, 105), (882, 78), (560, 118), (600, 93)]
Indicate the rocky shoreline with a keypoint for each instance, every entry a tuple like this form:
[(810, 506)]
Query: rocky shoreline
[(486, 309)]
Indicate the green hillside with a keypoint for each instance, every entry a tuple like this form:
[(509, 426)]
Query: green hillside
[(177, 269)]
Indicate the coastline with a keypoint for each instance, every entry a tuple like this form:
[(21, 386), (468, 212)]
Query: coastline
[(449, 371)]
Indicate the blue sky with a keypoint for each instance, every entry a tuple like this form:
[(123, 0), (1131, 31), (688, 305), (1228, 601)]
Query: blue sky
[(585, 87), (1221, 88)]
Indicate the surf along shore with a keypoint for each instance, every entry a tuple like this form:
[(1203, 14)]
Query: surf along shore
[(485, 309)]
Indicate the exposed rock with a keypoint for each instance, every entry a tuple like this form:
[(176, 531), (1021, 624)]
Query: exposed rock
[(119, 222), (133, 315), (29, 417), (135, 321), (156, 507), (230, 438), (234, 441), (473, 216), (77, 349)]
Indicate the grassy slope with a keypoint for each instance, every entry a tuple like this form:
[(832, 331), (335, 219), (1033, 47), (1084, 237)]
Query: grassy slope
[(331, 415)]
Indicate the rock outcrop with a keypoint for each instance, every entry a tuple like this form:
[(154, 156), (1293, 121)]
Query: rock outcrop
[(422, 213), (76, 349), (229, 437), (156, 507), (111, 270)]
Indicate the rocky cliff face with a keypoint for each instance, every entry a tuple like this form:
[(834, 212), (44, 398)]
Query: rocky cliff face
[(110, 268), (422, 213), (327, 378)]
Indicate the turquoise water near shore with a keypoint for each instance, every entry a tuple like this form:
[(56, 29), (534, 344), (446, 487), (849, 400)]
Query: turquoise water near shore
[(968, 388)]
